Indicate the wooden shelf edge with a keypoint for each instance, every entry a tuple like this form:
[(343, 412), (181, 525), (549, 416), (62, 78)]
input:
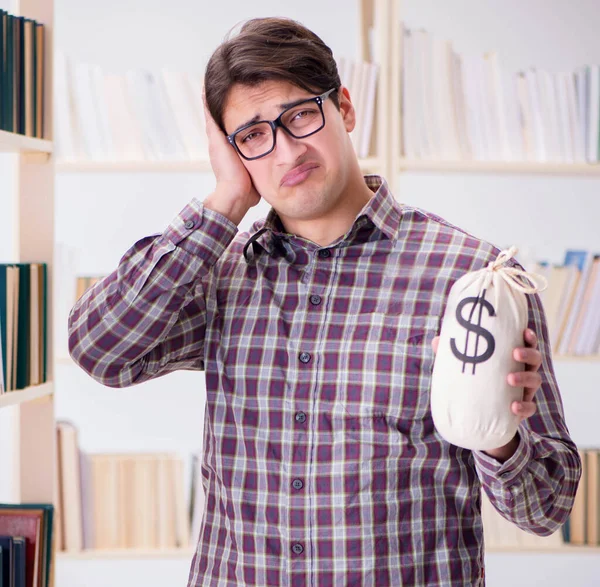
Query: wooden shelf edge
[(498, 167), (13, 398), (198, 165), (565, 549), (127, 553), (11, 142)]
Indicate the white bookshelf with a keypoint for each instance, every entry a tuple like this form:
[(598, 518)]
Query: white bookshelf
[(371, 164), (27, 425), (129, 553), (500, 558), (432, 166), (14, 398), (15, 143)]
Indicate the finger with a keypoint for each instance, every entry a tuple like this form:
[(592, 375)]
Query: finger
[(435, 343), (523, 409), (528, 356), (526, 379), (530, 338)]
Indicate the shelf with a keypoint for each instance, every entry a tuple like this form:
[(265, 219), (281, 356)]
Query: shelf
[(498, 167), (565, 549), (577, 358), (127, 553), (191, 166), (198, 165), (14, 143), (13, 398)]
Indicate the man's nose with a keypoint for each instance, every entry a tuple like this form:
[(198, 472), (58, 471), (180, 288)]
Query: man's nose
[(287, 147)]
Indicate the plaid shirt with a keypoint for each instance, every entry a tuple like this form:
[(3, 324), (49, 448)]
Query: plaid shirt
[(321, 465)]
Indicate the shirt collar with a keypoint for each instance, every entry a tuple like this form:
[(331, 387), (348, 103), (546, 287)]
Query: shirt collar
[(382, 210)]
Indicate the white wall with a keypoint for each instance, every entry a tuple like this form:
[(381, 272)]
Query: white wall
[(100, 215)]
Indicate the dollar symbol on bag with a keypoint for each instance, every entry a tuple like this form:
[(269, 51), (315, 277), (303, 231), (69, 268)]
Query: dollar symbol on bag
[(479, 331)]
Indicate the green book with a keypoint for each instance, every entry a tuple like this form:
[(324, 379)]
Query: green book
[(23, 326), (3, 322)]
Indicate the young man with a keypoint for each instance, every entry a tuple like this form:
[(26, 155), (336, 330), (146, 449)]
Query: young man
[(315, 329)]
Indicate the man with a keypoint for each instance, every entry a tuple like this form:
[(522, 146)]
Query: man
[(315, 329)]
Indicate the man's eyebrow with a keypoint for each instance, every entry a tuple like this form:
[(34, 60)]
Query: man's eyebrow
[(282, 107)]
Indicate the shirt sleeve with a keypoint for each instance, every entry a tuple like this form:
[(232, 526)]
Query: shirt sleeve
[(148, 317), (536, 487)]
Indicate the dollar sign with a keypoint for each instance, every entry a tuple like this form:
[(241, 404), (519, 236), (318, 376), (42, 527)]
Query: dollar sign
[(477, 329)]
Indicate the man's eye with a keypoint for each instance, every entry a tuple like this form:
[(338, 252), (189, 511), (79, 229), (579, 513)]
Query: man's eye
[(251, 136), (303, 114)]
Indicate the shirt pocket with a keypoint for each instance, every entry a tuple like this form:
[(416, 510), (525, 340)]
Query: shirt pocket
[(388, 402)]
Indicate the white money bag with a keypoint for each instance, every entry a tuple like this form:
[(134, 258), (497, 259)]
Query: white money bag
[(486, 315)]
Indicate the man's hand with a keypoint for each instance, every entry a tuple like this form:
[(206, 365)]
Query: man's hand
[(235, 193), (529, 379)]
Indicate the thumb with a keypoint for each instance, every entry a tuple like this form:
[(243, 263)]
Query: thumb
[(435, 343)]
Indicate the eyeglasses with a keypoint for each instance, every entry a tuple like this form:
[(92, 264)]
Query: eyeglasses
[(257, 139)]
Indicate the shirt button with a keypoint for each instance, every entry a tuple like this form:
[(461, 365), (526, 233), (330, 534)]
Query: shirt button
[(324, 253), (189, 224), (297, 484), (300, 417), (298, 548), (304, 357), (315, 300)]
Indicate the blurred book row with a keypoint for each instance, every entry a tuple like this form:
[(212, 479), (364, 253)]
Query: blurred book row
[(144, 115), (26, 544), (572, 303), (360, 77), (23, 325), (583, 526), (470, 107), (122, 501), (21, 75)]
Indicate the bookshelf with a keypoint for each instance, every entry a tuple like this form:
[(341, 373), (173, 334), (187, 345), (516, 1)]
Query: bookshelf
[(371, 164), (431, 166), (27, 416), (401, 164), (371, 13), (586, 558)]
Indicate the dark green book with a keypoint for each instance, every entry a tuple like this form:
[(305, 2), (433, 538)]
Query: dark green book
[(8, 560), (20, 566), (23, 326), (3, 322)]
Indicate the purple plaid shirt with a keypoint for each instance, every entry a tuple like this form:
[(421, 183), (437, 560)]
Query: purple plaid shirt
[(321, 465)]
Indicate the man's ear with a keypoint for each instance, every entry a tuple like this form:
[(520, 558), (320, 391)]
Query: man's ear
[(347, 109)]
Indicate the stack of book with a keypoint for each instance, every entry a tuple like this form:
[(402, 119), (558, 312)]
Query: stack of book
[(23, 325), (118, 501), (26, 544), (21, 75), (572, 303), (583, 526), (147, 115), (468, 107)]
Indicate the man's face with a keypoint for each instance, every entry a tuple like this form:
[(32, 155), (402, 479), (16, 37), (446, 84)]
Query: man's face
[(303, 179)]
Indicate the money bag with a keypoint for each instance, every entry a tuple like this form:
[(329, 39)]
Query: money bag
[(485, 317)]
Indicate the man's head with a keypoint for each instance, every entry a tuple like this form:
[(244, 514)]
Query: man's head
[(264, 71)]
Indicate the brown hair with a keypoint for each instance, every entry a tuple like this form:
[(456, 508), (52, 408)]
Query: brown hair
[(269, 49)]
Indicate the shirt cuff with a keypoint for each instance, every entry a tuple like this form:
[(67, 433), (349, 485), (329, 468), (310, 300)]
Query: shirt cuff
[(196, 225), (506, 473)]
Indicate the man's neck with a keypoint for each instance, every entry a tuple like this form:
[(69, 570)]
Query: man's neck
[(328, 228)]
